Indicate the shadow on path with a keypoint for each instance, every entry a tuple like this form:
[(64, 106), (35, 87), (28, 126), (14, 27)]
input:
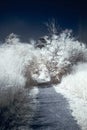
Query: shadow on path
[(52, 112)]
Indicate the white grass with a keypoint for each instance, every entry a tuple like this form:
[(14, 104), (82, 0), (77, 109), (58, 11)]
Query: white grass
[(74, 88)]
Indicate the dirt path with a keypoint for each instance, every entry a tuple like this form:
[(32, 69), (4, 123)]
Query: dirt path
[(52, 112)]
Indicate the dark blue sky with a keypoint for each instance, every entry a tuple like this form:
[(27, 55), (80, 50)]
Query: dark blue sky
[(27, 17)]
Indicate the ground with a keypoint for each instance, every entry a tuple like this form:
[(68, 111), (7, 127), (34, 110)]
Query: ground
[(52, 111)]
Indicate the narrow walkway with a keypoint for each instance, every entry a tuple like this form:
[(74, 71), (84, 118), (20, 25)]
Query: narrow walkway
[(52, 112)]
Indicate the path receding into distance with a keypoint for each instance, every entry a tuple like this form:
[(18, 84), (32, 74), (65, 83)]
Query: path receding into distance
[(52, 112)]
